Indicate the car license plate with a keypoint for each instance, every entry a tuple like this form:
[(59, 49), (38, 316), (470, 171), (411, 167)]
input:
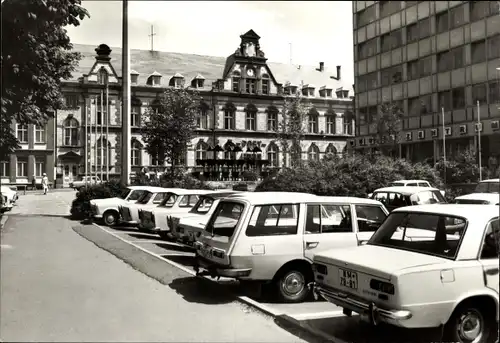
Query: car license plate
[(348, 278)]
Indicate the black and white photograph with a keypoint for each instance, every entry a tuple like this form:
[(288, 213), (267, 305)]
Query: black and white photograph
[(250, 171)]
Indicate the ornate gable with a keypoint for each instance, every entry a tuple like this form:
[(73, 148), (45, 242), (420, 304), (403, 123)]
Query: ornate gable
[(102, 71)]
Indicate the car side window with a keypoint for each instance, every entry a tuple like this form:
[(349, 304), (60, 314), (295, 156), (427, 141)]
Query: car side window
[(412, 184), (423, 184), (328, 218), (159, 198), (382, 197), (193, 199), (136, 194), (273, 220), (369, 217), (427, 197), (491, 242), (396, 200), (184, 201)]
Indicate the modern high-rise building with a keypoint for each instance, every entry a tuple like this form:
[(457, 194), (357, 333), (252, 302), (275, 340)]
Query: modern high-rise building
[(426, 56)]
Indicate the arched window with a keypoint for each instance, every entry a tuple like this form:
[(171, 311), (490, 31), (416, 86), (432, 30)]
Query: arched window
[(135, 112), (202, 119), (103, 154), (265, 84), (236, 77), (201, 151), (313, 152), (229, 113), (331, 150), (251, 117), (102, 76), (71, 127), (136, 153), (272, 155), (312, 121)]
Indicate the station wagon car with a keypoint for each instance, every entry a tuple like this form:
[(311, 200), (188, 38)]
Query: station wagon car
[(177, 201), (426, 266), (478, 199), (107, 209), (271, 237), (394, 197), (187, 226), (129, 213)]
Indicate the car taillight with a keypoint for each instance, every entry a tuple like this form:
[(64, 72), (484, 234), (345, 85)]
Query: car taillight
[(320, 268), (381, 286)]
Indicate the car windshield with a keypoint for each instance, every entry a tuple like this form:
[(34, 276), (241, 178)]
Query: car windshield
[(203, 205), (145, 198), (125, 193), (136, 194), (169, 200), (488, 187), (225, 219), (426, 233), (397, 184)]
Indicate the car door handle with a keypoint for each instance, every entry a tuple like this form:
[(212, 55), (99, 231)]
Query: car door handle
[(491, 271), (311, 245)]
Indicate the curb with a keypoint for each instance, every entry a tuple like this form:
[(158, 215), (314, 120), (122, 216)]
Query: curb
[(304, 330), (3, 221)]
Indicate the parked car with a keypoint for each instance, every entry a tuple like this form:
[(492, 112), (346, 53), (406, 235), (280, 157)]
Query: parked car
[(177, 202), (85, 181), (478, 199), (5, 204), (153, 196), (187, 226), (418, 272), (9, 193), (107, 209), (488, 186), (271, 237), (411, 183), (394, 197)]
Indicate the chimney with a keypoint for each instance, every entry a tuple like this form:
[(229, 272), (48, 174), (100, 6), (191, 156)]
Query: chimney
[(338, 74), (321, 67)]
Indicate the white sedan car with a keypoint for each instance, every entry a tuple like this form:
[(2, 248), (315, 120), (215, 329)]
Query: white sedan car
[(177, 202), (426, 266), (9, 193), (478, 199), (107, 209), (152, 197)]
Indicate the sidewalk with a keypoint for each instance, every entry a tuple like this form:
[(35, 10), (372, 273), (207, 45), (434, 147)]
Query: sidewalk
[(34, 203)]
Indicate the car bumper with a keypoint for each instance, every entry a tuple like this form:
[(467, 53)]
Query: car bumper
[(205, 267), (97, 216), (368, 309)]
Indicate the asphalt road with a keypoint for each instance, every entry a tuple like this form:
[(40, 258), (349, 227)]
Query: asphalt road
[(58, 286)]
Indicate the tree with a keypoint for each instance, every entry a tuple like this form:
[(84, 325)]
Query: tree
[(290, 131), (169, 124), (36, 57), (389, 125)]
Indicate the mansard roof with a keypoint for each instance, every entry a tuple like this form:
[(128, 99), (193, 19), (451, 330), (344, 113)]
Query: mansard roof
[(168, 64)]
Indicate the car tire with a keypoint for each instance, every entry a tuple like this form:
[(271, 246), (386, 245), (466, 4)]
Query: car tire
[(470, 323), (110, 218), (292, 284)]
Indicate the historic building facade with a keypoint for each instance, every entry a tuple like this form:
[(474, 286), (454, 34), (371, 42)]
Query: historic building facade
[(242, 97), (427, 56)]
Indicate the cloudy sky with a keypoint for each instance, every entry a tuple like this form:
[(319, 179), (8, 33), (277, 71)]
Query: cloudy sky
[(317, 30)]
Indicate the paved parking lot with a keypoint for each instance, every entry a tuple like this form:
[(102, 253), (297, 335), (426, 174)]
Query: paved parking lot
[(159, 260)]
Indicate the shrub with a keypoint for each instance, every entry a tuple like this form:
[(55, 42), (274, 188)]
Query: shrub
[(351, 176), (461, 169), (181, 179), (249, 175), (80, 207), (240, 186)]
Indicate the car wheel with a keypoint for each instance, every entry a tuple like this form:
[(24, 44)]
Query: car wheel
[(292, 284), (470, 323), (110, 218)]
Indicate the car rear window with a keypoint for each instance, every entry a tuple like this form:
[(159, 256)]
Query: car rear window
[(471, 201), (225, 219)]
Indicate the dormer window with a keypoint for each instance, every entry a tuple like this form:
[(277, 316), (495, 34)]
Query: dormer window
[(102, 76), (308, 90), (265, 84), (154, 79), (236, 77), (134, 77), (345, 93), (325, 92), (290, 89), (342, 93), (198, 81), (177, 81)]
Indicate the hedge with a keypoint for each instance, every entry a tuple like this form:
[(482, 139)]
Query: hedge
[(80, 207)]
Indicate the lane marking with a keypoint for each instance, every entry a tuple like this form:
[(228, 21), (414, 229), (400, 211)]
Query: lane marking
[(318, 315), (150, 241)]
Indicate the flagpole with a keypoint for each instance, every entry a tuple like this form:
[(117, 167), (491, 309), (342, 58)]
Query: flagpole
[(125, 155), (86, 140), (107, 132), (444, 145), (479, 141), (101, 138)]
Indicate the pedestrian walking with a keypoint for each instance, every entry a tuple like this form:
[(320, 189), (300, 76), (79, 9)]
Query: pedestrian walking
[(33, 182), (45, 183)]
